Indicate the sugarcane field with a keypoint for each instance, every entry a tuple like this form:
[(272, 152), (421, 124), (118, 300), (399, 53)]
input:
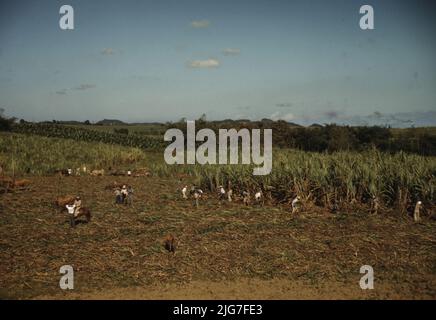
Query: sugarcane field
[(217, 159), (312, 223)]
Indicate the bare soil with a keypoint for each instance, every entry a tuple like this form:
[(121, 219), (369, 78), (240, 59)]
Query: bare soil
[(224, 251)]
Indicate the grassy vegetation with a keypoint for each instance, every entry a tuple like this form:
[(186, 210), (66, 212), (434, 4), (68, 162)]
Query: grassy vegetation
[(84, 134), (328, 180), (24, 154), (149, 129), (122, 246)]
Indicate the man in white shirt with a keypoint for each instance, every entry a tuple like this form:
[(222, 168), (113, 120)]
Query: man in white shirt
[(296, 204), (71, 208), (184, 190), (222, 193)]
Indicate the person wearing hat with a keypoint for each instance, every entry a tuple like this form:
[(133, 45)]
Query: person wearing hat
[(77, 206), (222, 193)]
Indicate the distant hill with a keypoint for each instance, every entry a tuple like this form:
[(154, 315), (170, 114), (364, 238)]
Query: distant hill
[(264, 121), (110, 122), (315, 125), (293, 124), (69, 122)]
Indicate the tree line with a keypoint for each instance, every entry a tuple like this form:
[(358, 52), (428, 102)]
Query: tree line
[(328, 138), (331, 137)]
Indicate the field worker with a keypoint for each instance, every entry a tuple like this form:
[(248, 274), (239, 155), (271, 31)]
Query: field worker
[(222, 192), (129, 173), (184, 190), (229, 195), (130, 195), (124, 194), (118, 197), (258, 196), (296, 203), (70, 172), (246, 197), (197, 195), (70, 208), (77, 205)]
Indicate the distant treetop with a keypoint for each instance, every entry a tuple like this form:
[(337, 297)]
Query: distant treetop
[(110, 122)]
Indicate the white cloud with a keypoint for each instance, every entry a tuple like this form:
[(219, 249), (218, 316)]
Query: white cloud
[(107, 51), (209, 63), (231, 51), (200, 23)]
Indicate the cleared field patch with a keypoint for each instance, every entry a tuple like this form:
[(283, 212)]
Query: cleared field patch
[(122, 247)]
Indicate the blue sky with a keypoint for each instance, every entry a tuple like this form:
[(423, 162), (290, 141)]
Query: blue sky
[(301, 61)]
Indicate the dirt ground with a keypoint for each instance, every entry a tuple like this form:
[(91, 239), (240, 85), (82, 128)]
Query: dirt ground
[(224, 251), (247, 289)]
